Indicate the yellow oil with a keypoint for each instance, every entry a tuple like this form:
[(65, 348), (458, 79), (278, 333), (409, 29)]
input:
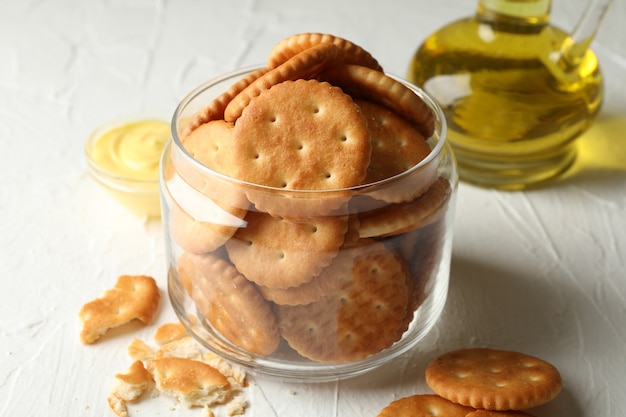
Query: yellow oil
[(514, 104)]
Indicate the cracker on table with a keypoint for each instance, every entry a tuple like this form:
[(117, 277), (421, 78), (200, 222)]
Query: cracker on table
[(348, 52), (281, 253), (230, 303), (304, 65), (493, 379), (362, 318), (366, 83), (139, 350), (185, 347), (134, 297), (169, 332), (424, 405), (129, 386), (192, 382)]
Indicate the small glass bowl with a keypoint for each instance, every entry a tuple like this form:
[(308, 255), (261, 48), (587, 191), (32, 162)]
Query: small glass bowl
[(141, 196), (308, 334)]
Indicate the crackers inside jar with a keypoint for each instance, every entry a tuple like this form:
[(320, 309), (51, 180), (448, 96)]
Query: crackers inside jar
[(322, 185)]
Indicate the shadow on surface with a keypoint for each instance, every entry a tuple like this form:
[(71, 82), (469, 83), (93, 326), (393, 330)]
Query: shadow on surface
[(601, 153), (488, 306)]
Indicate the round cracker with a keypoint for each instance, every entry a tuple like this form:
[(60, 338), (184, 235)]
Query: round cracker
[(395, 219), (348, 52), (307, 64), (302, 135), (230, 303), (493, 379), (396, 145), (215, 109), (366, 83), (320, 286), (424, 405), (492, 413), (211, 143), (198, 236), (362, 318), (280, 253)]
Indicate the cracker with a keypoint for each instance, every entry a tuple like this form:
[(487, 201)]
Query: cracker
[(207, 194), (235, 374), (205, 210), (348, 52), (369, 84), (237, 406), (493, 379), (185, 347), (492, 413), (169, 332), (210, 145), (192, 382), (327, 281), (396, 145), (424, 405), (424, 247), (396, 219), (304, 65), (128, 387), (320, 286), (139, 350), (230, 303), (362, 318), (196, 236), (134, 297), (280, 253), (302, 135), (215, 109)]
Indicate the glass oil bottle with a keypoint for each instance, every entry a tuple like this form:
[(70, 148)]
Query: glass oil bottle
[(515, 89)]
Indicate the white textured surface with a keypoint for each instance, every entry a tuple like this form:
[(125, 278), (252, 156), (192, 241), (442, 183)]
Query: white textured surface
[(541, 271)]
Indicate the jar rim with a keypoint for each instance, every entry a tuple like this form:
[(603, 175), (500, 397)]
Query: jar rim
[(440, 133)]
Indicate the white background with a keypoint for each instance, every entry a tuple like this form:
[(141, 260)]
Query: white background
[(538, 271)]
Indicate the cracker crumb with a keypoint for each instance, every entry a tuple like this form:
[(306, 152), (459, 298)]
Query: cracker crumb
[(139, 350), (236, 406)]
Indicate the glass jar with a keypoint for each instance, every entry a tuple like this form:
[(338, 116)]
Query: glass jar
[(371, 262)]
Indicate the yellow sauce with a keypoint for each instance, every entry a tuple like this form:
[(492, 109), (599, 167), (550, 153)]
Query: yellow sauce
[(132, 150), (125, 160)]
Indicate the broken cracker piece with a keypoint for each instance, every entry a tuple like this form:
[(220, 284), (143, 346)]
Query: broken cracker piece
[(237, 406), (139, 350), (193, 383), (185, 347), (129, 386), (235, 374), (169, 332), (134, 297)]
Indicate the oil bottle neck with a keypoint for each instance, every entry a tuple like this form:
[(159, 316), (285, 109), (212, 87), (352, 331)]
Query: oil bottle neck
[(526, 13)]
